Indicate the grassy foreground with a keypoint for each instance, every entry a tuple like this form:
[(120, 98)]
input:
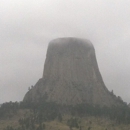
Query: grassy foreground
[(84, 123)]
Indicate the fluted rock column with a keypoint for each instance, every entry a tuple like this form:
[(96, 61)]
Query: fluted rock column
[(71, 75)]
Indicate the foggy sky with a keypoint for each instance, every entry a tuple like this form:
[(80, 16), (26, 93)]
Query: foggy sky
[(27, 26)]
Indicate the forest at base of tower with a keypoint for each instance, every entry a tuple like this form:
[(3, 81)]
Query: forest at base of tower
[(38, 116)]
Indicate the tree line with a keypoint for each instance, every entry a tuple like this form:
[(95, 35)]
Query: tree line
[(41, 112)]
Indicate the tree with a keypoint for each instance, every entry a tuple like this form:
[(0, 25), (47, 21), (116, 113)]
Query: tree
[(60, 118)]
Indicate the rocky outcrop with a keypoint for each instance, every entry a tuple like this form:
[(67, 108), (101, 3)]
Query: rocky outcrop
[(71, 75)]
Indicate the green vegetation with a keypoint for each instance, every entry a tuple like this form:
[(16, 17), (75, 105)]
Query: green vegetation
[(38, 114)]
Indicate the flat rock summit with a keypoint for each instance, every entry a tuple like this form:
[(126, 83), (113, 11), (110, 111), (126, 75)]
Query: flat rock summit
[(71, 75)]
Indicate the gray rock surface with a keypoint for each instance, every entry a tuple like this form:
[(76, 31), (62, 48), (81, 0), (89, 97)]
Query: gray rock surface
[(71, 75)]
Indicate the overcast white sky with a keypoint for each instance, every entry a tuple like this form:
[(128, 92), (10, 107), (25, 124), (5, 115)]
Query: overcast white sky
[(27, 26)]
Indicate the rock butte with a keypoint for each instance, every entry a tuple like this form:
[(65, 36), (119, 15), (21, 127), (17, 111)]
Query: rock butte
[(71, 75)]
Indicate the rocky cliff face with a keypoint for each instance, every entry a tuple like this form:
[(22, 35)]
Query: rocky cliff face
[(71, 75)]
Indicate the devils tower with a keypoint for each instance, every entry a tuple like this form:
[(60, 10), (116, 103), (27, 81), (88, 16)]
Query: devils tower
[(71, 75)]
